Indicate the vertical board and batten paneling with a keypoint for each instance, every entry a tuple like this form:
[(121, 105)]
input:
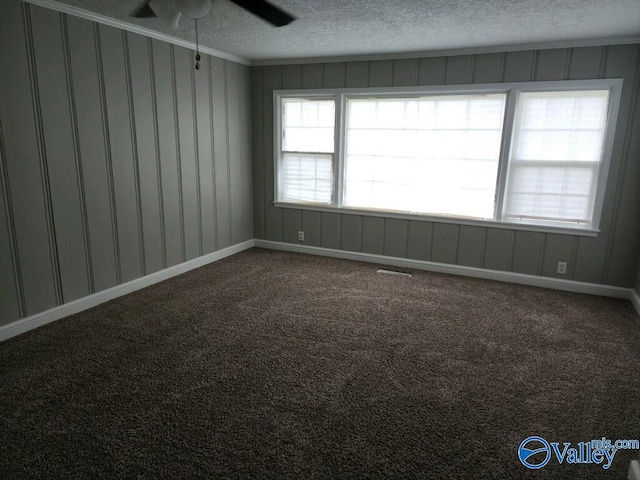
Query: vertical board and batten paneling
[(459, 70), (11, 299), (98, 197), (188, 165), (111, 150), (168, 151), (372, 235), (258, 162), (312, 227), (553, 64), (405, 72), (431, 71), (526, 252), (604, 259), (59, 141), (586, 62), (488, 68), (334, 75), (498, 249), (357, 74), (271, 80), (443, 242), (204, 139), (312, 75), (470, 245), (145, 131), (122, 151), (221, 151), (24, 169), (351, 233), (419, 236), (558, 248), (395, 237), (291, 225), (239, 128), (380, 73), (331, 230), (519, 66), (292, 76)]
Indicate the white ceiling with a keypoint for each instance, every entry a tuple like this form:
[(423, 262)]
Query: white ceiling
[(339, 28)]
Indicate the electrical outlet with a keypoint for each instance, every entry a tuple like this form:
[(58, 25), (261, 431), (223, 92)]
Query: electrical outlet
[(562, 268), (301, 236)]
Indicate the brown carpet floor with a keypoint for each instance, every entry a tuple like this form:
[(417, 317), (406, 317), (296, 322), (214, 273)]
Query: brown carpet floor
[(278, 365)]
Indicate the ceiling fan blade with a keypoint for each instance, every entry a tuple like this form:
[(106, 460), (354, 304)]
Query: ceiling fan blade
[(143, 11), (267, 11)]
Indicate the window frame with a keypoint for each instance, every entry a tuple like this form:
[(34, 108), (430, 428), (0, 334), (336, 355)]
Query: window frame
[(512, 91)]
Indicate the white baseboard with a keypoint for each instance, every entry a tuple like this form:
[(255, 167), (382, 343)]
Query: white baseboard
[(510, 277), (635, 299), (56, 313)]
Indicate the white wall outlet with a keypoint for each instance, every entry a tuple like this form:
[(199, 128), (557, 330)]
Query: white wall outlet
[(562, 268), (301, 236)]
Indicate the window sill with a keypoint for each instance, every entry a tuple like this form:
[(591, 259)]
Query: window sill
[(584, 232)]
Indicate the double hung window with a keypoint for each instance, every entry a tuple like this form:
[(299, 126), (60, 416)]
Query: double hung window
[(307, 155)]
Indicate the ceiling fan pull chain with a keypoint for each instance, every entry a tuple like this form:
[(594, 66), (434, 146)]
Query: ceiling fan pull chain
[(198, 58)]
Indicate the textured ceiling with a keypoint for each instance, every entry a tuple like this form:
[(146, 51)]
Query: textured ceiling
[(331, 28)]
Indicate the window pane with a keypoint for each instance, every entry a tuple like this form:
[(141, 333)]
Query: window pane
[(427, 155), (552, 192), (555, 155), (306, 178), (308, 125)]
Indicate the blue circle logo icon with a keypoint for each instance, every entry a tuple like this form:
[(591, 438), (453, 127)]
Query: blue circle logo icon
[(534, 452)]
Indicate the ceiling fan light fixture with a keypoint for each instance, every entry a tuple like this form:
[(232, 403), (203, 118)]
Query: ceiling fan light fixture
[(167, 11), (194, 8)]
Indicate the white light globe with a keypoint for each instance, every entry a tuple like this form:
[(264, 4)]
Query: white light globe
[(194, 8)]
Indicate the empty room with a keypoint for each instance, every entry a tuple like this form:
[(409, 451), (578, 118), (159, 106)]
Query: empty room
[(296, 239)]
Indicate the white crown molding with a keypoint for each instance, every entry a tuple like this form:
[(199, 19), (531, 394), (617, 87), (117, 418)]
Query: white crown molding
[(508, 277), (112, 22), (596, 42), (56, 313)]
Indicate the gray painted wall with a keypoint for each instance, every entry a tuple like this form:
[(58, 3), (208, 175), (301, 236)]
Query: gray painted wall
[(117, 158), (611, 258)]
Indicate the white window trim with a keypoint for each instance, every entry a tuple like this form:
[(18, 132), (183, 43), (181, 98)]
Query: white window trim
[(512, 90)]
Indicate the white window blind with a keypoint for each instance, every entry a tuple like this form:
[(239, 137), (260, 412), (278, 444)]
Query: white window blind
[(307, 177), (556, 154), (434, 154), (306, 165)]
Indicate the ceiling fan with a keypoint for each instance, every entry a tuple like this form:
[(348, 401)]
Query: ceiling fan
[(171, 10)]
